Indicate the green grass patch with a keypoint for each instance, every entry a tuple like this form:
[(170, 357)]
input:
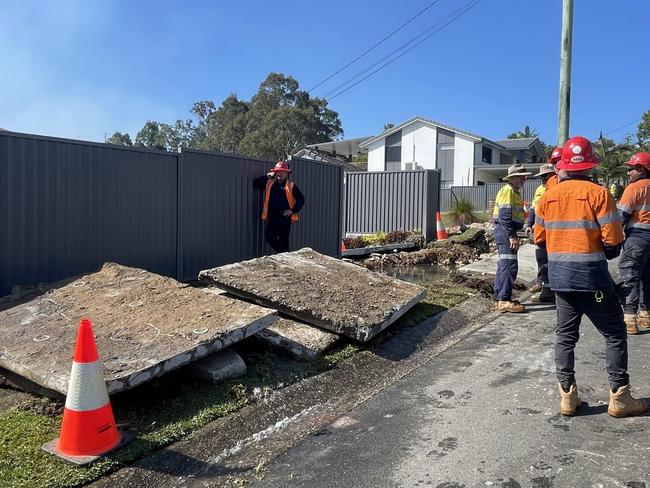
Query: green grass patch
[(449, 220)]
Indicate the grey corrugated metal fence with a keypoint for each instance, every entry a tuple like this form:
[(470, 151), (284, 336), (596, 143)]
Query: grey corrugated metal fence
[(68, 206), (480, 196), (388, 201), (220, 209)]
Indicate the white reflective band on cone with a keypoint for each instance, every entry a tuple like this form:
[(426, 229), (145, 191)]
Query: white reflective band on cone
[(86, 390)]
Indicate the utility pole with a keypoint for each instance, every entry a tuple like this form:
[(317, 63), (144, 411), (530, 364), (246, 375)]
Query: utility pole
[(564, 106)]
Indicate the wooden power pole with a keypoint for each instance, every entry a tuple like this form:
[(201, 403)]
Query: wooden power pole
[(564, 106)]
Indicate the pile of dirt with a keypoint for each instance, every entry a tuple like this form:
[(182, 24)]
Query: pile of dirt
[(458, 250)]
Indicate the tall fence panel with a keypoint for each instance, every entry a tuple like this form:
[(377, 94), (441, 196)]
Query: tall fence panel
[(68, 206), (388, 201), (219, 221)]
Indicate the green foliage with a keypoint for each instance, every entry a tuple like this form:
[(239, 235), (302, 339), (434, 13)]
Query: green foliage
[(612, 156), (527, 132), (279, 120), (462, 212), (643, 132), (120, 139)]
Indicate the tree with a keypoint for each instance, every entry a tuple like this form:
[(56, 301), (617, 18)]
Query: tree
[(643, 132), (612, 157), (524, 134), (120, 139), (152, 135), (226, 127)]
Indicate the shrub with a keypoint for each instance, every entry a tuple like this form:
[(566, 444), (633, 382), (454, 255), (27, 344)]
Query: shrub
[(462, 212)]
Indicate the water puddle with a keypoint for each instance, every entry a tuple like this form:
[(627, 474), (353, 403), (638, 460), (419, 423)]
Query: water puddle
[(418, 274)]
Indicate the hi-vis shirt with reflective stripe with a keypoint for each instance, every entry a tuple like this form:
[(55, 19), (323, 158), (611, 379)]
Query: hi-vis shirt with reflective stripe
[(635, 207), (509, 209), (576, 220)]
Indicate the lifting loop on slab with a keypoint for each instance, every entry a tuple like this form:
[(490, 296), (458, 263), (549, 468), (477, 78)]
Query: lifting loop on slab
[(202, 330), (41, 338), (78, 284)]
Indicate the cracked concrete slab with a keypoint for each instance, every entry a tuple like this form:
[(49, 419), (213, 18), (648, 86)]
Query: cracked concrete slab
[(320, 290), (145, 326), (301, 341)]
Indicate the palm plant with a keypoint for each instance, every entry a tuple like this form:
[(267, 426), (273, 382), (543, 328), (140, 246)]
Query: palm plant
[(526, 133), (612, 156), (463, 212)]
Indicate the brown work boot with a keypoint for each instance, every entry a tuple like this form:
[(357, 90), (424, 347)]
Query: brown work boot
[(621, 403), (546, 296), (570, 401), (510, 306), (536, 288), (643, 319), (630, 323)]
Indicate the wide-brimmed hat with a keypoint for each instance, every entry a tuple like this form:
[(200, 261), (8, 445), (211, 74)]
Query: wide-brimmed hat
[(517, 170), (545, 169)]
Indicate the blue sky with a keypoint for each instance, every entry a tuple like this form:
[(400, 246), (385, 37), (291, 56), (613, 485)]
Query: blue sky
[(82, 68)]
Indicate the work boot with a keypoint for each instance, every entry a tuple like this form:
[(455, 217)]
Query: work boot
[(570, 401), (630, 323), (546, 296), (622, 404), (509, 306), (643, 319), (536, 288)]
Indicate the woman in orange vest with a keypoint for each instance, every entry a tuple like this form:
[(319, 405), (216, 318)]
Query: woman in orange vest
[(282, 202)]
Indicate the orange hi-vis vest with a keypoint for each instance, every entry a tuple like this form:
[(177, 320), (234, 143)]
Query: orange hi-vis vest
[(552, 181), (576, 220), (635, 205), (288, 189)]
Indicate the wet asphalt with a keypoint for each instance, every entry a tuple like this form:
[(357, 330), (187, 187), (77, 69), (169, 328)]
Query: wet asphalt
[(484, 413)]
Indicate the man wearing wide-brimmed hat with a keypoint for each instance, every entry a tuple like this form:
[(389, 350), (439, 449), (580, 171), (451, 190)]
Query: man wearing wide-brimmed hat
[(546, 172), (509, 218)]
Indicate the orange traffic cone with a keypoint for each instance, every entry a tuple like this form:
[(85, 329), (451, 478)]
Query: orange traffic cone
[(343, 248), (441, 233), (526, 209), (88, 429)]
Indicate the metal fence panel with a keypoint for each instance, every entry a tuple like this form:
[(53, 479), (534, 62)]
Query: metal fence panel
[(445, 200), (220, 210), (68, 206), (389, 201), (474, 194)]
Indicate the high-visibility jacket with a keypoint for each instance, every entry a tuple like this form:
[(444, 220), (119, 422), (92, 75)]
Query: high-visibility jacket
[(509, 210), (288, 189), (552, 181), (581, 227), (635, 208), (539, 191)]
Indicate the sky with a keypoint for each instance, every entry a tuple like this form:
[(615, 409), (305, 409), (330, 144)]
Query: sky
[(83, 69)]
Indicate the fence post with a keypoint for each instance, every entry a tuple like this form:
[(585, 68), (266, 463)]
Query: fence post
[(432, 204)]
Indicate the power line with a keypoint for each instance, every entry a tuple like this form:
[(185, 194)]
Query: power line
[(374, 45), (459, 13), (623, 126), (378, 62)]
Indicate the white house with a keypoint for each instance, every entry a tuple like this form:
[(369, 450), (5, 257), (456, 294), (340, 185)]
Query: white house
[(462, 157)]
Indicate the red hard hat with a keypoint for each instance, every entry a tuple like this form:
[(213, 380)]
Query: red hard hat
[(281, 166), (555, 156), (640, 159), (577, 155)]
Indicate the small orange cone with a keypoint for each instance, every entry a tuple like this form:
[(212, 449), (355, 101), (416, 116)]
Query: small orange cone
[(88, 429), (441, 232), (526, 209), (343, 248)]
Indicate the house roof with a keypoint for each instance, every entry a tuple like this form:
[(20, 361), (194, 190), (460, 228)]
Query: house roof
[(518, 144), (346, 147), (317, 156), (418, 118)]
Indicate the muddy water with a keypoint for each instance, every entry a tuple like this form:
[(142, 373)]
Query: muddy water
[(418, 274)]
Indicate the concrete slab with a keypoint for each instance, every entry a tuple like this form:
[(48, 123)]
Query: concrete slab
[(145, 326), (527, 265), (367, 251), (320, 290), (301, 341), (217, 367)]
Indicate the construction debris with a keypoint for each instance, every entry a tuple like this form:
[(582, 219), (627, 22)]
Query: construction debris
[(301, 341), (217, 367), (145, 325), (320, 290)]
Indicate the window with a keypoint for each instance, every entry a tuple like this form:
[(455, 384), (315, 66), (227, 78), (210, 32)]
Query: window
[(487, 155), (445, 150), (394, 151)]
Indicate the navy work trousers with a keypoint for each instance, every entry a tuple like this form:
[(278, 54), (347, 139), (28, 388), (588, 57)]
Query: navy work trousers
[(541, 256), (604, 311), (507, 267), (277, 233), (635, 273)]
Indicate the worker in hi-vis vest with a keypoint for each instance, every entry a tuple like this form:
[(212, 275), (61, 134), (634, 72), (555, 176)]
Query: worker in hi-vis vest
[(282, 202)]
